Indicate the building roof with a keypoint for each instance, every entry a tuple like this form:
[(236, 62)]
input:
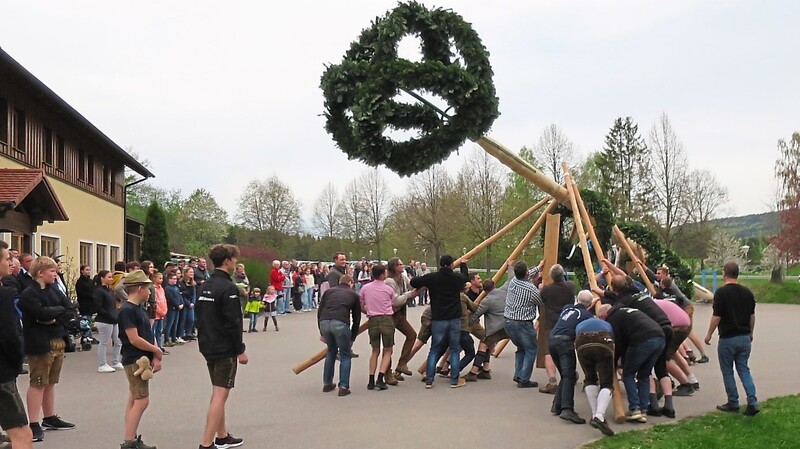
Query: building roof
[(69, 113), (19, 184)]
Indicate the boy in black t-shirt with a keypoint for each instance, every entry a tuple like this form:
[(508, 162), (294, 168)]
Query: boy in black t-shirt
[(137, 341)]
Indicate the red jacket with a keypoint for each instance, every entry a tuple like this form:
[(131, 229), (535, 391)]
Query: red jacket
[(276, 278)]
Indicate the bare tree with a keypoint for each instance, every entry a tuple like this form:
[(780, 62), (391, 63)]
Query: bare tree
[(670, 171), (553, 149), (269, 206), (482, 187), (377, 201), (326, 217), (352, 210), (428, 218), (705, 196)]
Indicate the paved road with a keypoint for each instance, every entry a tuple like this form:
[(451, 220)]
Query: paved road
[(272, 407)]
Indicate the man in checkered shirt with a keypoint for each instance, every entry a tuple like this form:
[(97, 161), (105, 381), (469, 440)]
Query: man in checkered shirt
[(520, 312)]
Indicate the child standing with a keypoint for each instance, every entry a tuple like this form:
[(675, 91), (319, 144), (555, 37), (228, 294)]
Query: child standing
[(175, 303), (252, 308), (137, 341), (270, 309), (161, 309)]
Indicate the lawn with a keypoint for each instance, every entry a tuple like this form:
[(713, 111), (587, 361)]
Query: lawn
[(787, 292), (775, 427)]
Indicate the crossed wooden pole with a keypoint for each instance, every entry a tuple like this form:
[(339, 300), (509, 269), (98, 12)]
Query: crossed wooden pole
[(569, 196)]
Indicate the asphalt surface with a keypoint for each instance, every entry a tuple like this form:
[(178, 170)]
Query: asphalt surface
[(272, 407)]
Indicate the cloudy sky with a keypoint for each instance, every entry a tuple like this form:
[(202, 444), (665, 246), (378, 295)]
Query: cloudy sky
[(216, 94)]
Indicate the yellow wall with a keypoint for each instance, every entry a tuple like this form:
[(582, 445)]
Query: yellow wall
[(91, 219)]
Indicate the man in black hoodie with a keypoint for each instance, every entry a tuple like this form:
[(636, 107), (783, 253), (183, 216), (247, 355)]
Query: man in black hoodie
[(13, 418), (219, 337), (445, 288)]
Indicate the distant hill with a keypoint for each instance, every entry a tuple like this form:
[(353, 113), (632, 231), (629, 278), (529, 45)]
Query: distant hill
[(756, 225)]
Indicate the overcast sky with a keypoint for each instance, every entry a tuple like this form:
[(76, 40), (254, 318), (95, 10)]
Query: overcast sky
[(216, 94)]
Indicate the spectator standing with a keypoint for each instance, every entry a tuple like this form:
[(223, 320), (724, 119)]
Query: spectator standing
[(107, 323)]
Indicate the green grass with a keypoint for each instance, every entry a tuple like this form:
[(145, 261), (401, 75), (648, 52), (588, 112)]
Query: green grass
[(775, 428), (787, 292)]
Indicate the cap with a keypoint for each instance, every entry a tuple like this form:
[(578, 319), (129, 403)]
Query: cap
[(136, 277), (168, 263)]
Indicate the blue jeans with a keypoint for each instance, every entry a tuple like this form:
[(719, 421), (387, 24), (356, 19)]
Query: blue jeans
[(181, 322), (253, 320), (188, 324), (308, 301), (445, 334), (158, 329), (465, 340), (523, 335), (284, 304), (736, 351), (562, 350), (639, 362), (171, 328), (337, 337)]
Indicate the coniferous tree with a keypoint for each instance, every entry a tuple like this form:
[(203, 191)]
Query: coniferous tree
[(155, 241), (624, 167)]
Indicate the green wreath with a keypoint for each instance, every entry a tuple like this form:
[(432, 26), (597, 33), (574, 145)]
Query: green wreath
[(658, 254), (359, 92)]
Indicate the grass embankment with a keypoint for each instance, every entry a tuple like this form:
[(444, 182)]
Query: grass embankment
[(787, 292), (775, 428)]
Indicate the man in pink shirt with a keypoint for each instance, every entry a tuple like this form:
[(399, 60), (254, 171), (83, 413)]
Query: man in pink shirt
[(377, 300)]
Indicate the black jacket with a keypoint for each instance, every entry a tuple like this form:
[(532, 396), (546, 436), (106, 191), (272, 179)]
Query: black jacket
[(84, 290), (444, 287), (642, 301), (219, 318), (25, 280), (40, 306), (12, 282), (10, 345), (340, 303), (631, 327), (105, 305)]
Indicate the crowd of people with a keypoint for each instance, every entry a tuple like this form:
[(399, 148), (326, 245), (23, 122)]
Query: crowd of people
[(621, 327), (139, 311)]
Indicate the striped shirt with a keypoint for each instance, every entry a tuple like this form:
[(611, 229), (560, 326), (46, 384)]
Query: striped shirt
[(523, 297)]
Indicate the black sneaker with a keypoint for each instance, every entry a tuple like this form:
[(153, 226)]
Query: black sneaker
[(135, 444), (570, 415), (228, 441), (684, 390), (602, 426), (213, 446), (696, 386), (38, 433), (751, 410), (703, 359), (527, 384), (728, 407), (56, 423)]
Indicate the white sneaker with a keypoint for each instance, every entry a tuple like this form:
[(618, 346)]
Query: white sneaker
[(105, 369), (118, 366), (180, 340)]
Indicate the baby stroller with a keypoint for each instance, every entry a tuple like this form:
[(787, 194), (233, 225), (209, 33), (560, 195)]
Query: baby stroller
[(80, 336)]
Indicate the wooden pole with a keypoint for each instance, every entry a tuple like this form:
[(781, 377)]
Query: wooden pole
[(524, 169), (316, 358), (513, 223), (552, 232), (587, 257), (587, 221), (623, 241)]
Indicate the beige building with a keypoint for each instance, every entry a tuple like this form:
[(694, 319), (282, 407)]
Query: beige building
[(62, 181)]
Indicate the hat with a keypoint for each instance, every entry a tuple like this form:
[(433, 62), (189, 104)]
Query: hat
[(168, 263), (136, 277), (446, 261)]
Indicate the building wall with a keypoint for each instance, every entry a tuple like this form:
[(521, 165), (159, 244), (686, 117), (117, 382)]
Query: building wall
[(97, 223)]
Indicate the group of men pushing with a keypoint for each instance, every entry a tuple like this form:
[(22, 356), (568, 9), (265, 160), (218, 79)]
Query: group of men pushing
[(622, 326)]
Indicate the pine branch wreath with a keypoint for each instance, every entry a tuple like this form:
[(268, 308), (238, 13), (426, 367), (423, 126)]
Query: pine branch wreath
[(360, 105)]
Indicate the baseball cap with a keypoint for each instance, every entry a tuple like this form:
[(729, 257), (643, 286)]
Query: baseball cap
[(445, 261)]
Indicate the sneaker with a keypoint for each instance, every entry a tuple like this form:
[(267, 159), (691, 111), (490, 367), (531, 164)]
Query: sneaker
[(703, 359), (56, 423), (568, 414), (549, 388), (728, 407), (668, 412), (527, 384), (471, 377), (484, 375), (165, 351), (180, 340), (118, 366), (428, 384), (459, 383), (751, 410), (343, 391), (213, 446), (228, 441), (104, 368), (634, 415), (602, 426), (696, 386), (328, 388), (135, 444), (684, 390), (38, 432)]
